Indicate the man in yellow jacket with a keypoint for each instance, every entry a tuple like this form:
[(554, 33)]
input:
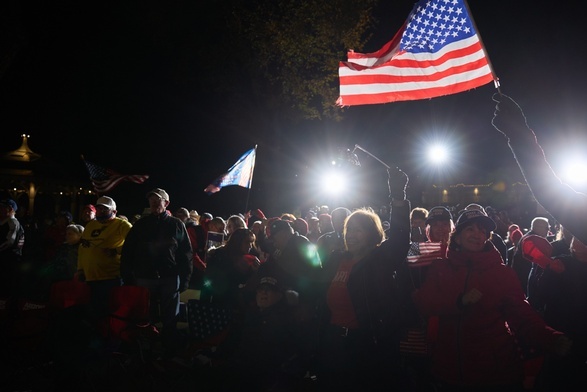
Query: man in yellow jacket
[(98, 260)]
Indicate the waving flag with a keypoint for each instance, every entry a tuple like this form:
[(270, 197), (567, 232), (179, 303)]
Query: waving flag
[(241, 173), (437, 52), (104, 180)]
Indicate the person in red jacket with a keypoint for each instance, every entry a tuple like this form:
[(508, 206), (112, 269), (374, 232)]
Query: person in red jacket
[(480, 306)]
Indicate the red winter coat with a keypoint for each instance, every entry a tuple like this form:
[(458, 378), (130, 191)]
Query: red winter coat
[(474, 345)]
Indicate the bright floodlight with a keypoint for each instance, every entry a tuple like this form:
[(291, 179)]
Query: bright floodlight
[(576, 174), (333, 183), (437, 154)]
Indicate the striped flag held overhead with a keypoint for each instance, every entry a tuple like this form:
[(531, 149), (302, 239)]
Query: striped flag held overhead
[(104, 180), (437, 52), (424, 253)]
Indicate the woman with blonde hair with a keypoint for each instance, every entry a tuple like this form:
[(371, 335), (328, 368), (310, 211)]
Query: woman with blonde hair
[(233, 223), (362, 307)]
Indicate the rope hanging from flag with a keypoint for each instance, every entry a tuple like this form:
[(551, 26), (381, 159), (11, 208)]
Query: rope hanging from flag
[(437, 52)]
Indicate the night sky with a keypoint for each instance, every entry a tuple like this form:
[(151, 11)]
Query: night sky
[(92, 80)]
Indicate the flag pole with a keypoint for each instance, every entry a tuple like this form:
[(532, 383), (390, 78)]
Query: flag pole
[(495, 78), (251, 181)]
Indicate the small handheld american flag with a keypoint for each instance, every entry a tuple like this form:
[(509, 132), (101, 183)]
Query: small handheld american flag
[(424, 253)]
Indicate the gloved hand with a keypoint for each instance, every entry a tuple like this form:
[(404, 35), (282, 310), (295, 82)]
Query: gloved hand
[(508, 117), (397, 182)]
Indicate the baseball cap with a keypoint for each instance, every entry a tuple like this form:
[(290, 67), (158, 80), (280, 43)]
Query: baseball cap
[(270, 282), (183, 212), (478, 216), (516, 235), (438, 213), (79, 229), (475, 206), (106, 202), (67, 215), (278, 226), (259, 214), (535, 248), (300, 225), (159, 192), (90, 207), (9, 203)]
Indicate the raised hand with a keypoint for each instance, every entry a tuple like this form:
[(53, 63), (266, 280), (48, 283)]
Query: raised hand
[(508, 117), (397, 182)]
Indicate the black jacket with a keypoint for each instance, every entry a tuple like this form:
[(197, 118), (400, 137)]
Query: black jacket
[(157, 246), (376, 283), (380, 300)]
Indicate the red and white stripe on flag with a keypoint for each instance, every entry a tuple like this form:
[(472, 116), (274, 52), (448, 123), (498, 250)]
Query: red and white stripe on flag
[(436, 53), (424, 253)]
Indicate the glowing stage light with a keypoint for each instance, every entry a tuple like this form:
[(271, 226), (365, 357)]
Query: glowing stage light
[(575, 174), (437, 154), (334, 183)]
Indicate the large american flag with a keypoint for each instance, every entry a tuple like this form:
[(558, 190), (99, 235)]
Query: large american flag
[(437, 52), (207, 320), (241, 173), (424, 253), (104, 180)]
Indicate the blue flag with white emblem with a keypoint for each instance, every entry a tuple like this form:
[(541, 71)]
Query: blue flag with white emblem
[(241, 173)]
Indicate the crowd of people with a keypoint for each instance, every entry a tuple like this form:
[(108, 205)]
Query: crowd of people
[(403, 298)]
